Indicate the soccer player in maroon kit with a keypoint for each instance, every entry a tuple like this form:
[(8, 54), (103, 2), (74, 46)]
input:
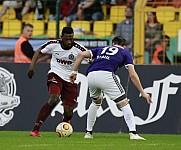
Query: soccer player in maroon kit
[(64, 52)]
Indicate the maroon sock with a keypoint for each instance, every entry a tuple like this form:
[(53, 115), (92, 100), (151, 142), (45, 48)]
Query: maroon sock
[(43, 114), (67, 119)]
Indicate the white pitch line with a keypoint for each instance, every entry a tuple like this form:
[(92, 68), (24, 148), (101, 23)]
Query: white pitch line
[(45, 145), (155, 144), (31, 145)]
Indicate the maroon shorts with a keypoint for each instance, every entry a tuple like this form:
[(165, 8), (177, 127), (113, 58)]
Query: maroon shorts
[(66, 90)]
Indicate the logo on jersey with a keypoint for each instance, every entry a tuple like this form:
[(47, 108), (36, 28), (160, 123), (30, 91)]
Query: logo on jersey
[(65, 62), (52, 80), (103, 57), (8, 97), (71, 57)]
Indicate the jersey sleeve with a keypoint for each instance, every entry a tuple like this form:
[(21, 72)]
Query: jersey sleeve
[(47, 47), (94, 53), (80, 46), (128, 59)]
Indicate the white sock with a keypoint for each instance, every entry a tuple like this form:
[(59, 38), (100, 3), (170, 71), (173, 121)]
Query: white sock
[(91, 116), (129, 117)]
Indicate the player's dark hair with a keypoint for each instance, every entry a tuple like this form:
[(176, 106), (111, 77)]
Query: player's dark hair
[(67, 30), (164, 36), (119, 40), (28, 25)]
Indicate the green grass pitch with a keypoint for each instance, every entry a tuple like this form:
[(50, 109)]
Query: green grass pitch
[(20, 140)]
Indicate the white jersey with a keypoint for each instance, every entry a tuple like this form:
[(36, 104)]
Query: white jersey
[(62, 60)]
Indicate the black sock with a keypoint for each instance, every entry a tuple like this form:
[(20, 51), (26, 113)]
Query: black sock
[(89, 132), (134, 132)]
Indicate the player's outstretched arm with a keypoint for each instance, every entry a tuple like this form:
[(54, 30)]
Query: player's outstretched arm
[(30, 71), (80, 57), (135, 79)]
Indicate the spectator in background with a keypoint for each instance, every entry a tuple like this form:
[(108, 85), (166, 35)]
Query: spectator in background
[(160, 55), (125, 28), (41, 7), (21, 7), (28, 6), (153, 32), (67, 8), (23, 50), (130, 3), (51, 4), (127, 3), (87, 10), (121, 2)]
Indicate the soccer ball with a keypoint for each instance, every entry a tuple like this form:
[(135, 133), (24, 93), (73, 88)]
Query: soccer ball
[(64, 129)]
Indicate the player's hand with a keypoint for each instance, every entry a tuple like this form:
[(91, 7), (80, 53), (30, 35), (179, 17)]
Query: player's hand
[(147, 97), (73, 77), (30, 73)]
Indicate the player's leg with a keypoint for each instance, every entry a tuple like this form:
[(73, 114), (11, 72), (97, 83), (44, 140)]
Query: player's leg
[(29, 4), (127, 112), (9, 4), (129, 118), (97, 98), (91, 116), (54, 88), (68, 113), (116, 92), (45, 111), (69, 100)]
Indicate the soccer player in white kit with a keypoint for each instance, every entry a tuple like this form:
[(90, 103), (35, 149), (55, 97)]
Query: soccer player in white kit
[(102, 79), (64, 52)]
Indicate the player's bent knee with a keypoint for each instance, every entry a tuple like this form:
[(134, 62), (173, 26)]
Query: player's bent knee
[(53, 99), (122, 103), (97, 101)]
